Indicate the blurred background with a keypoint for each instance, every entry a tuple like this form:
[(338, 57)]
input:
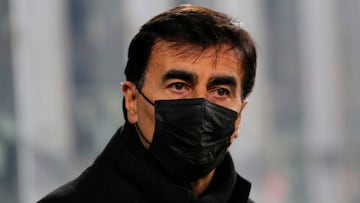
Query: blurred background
[(62, 61)]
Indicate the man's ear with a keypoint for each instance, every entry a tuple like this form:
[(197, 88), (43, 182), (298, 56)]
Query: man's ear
[(243, 105), (130, 93), (238, 120)]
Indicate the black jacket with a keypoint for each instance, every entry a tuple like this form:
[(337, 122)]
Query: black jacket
[(126, 172)]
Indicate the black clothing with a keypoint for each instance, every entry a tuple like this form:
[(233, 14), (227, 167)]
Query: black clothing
[(126, 172)]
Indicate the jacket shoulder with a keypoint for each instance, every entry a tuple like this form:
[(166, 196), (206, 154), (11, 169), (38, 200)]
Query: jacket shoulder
[(65, 193)]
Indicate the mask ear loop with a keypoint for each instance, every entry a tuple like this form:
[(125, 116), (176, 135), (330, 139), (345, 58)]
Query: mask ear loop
[(142, 94), (141, 135), (136, 124)]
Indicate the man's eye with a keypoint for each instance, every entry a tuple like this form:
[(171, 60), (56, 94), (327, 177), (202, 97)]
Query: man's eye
[(222, 92), (177, 86)]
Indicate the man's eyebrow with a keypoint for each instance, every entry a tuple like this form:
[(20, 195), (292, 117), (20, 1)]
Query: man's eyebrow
[(180, 74), (223, 80)]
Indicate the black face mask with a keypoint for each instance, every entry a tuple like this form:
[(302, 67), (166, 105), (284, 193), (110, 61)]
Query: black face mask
[(191, 136)]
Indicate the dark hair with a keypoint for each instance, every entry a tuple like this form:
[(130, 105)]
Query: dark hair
[(195, 26)]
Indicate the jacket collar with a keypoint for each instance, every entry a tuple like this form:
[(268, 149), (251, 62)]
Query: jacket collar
[(126, 152)]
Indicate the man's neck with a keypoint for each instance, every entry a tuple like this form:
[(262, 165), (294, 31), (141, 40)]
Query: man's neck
[(200, 185)]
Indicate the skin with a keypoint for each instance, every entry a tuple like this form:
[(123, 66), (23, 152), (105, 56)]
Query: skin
[(172, 75)]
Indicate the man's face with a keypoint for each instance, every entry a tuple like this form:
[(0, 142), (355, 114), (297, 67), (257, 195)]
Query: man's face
[(171, 74)]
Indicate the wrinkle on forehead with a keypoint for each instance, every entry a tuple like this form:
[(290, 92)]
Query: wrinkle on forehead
[(194, 52)]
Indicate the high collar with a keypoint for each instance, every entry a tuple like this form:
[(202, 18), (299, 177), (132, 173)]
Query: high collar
[(126, 152)]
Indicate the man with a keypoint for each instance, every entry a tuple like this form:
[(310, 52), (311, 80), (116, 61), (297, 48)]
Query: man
[(189, 72)]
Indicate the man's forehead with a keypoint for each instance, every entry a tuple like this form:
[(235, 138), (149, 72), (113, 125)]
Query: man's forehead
[(220, 61), (193, 52)]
